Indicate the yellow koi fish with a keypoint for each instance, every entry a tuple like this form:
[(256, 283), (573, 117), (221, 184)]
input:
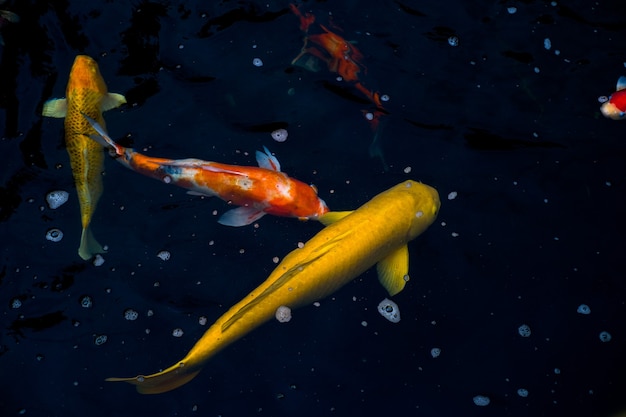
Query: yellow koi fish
[(86, 93), (376, 233)]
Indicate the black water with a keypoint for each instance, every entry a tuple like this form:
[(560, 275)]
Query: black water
[(536, 228)]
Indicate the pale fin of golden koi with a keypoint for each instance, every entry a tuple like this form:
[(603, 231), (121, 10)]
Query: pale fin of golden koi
[(267, 160), (393, 271), (111, 101), (333, 217), (241, 216), (55, 108), (89, 246), (166, 380)]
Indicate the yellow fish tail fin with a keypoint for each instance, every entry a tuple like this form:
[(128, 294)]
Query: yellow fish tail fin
[(89, 246), (167, 380)]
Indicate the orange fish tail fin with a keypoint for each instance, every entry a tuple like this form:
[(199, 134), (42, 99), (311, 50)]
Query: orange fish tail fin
[(167, 380), (89, 246)]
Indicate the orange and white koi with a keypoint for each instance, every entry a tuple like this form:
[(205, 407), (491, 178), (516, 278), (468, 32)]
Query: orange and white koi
[(86, 93), (615, 107), (258, 190)]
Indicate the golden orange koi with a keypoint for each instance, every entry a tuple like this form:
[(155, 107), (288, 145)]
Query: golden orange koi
[(258, 190), (375, 234), (86, 93)]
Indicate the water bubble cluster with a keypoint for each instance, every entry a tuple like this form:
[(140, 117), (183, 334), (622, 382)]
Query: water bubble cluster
[(177, 332), (100, 339), (583, 309), (16, 303), (98, 260), (130, 314), (522, 392), (435, 352), (389, 310), (453, 41), (56, 199), (283, 314)]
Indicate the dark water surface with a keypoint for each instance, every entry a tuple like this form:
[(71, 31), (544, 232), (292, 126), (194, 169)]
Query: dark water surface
[(536, 228)]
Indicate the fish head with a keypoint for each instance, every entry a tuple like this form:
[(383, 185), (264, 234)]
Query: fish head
[(85, 75), (425, 205), (615, 107), (305, 203)]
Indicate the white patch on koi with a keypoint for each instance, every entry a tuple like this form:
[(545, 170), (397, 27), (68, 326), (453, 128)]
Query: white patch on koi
[(244, 183)]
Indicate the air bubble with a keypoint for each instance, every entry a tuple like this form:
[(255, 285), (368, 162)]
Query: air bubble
[(605, 336), (86, 301), (257, 62), (54, 235), (481, 400), (435, 352), (453, 41), (16, 303), (583, 309), (280, 135), (177, 332), (522, 392), (524, 330), (389, 310)]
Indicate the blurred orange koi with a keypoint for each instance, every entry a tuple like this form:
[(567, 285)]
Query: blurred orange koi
[(340, 56), (258, 190)]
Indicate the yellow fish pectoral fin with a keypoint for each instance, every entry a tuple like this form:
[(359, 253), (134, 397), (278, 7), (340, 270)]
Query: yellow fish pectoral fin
[(333, 217), (89, 246), (393, 271), (55, 108), (111, 101), (167, 380)]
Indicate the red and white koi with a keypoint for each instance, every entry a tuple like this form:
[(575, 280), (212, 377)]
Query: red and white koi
[(615, 107)]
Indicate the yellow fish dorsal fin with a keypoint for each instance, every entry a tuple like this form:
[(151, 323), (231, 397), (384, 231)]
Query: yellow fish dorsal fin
[(393, 271), (333, 217), (56, 107), (111, 101)]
